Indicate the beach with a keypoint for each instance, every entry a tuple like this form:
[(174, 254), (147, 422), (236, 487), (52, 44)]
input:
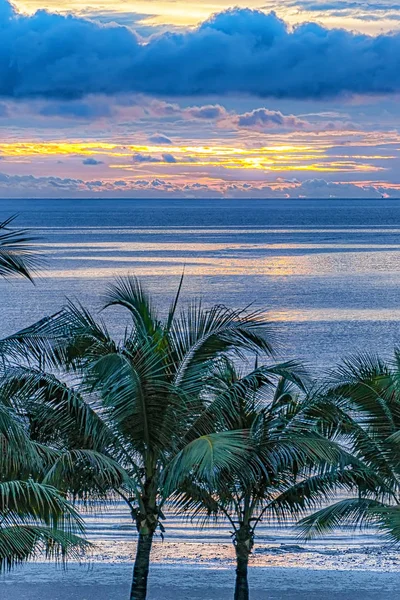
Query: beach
[(183, 582), (350, 567)]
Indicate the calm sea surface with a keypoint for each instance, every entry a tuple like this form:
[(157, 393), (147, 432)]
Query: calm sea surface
[(327, 271)]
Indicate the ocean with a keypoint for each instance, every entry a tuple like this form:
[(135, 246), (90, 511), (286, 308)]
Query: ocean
[(326, 272)]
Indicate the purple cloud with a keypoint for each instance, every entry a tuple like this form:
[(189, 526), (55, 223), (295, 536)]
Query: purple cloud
[(262, 118), (208, 112), (14, 186)]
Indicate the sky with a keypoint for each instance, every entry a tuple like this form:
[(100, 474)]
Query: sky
[(173, 98)]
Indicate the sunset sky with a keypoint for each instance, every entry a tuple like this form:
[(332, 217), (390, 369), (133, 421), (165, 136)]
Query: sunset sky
[(199, 99)]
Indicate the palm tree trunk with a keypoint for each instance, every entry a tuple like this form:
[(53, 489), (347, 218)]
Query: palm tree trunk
[(141, 567), (242, 561), (243, 541)]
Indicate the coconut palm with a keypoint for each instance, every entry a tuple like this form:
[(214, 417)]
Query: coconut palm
[(300, 465), (364, 392), (135, 399), (17, 254), (34, 516)]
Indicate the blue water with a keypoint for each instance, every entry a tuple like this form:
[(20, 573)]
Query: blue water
[(326, 271)]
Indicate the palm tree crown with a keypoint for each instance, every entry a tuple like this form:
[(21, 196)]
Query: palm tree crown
[(363, 393)]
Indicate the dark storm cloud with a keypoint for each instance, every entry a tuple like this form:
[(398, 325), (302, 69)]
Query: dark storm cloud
[(237, 51)]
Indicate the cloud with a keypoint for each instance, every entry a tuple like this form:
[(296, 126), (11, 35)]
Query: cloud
[(92, 110), (143, 113), (169, 158), (266, 120), (236, 51), (380, 10), (172, 110), (135, 21), (262, 118), (127, 19), (209, 112), (148, 158), (144, 158), (29, 186), (258, 119), (159, 138), (354, 8), (92, 161)]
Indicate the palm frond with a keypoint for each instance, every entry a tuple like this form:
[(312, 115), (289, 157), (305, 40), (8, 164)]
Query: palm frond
[(18, 256), (352, 512), (27, 501), (200, 335), (86, 474), (54, 407), (129, 293), (208, 457), (20, 543)]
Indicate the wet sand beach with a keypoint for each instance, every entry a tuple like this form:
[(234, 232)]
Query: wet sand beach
[(199, 570), (180, 582)]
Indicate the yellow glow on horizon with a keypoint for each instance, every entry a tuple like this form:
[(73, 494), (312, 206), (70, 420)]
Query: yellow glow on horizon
[(31, 148), (117, 156)]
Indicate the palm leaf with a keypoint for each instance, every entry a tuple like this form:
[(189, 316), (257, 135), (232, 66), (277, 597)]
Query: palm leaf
[(208, 457), (18, 256), (353, 512), (19, 543), (129, 293)]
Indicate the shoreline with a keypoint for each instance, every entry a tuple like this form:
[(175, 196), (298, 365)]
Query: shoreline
[(99, 581)]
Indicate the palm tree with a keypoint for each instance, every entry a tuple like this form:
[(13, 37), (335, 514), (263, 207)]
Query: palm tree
[(364, 393), (34, 516), (136, 399), (300, 466), (17, 254)]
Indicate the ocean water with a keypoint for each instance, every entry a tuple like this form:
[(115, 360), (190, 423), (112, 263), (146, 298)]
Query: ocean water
[(327, 272)]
